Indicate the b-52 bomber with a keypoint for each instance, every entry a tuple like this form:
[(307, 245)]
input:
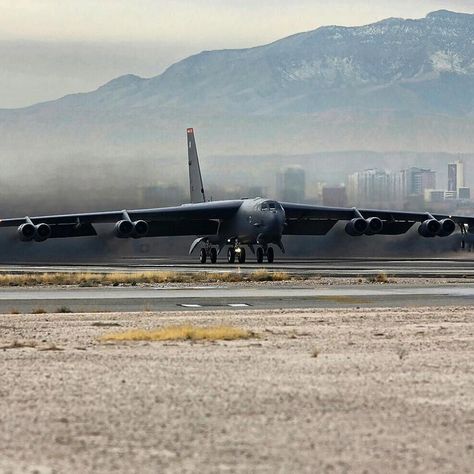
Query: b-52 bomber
[(257, 224)]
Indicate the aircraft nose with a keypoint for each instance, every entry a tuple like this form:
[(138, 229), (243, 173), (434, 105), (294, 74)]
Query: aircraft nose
[(275, 224)]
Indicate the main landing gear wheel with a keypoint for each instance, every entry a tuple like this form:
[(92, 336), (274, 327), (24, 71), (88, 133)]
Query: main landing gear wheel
[(259, 255), (270, 255), (213, 255), (203, 256), (241, 256), (231, 255)]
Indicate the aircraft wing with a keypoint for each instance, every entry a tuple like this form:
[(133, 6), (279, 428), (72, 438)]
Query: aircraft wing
[(188, 219), (304, 219)]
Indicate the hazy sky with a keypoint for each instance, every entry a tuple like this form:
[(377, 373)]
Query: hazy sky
[(49, 48)]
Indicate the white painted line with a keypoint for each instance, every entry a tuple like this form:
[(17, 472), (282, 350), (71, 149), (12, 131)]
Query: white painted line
[(238, 305), (191, 305)]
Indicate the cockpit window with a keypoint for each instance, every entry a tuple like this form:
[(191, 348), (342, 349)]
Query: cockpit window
[(272, 206), (264, 207)]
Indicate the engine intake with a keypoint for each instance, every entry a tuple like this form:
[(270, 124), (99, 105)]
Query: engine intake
[(374, 226), (43, 232), (26, 232), (140, 229), (125, 229), (430, 228), (356, 227), (447, 227)]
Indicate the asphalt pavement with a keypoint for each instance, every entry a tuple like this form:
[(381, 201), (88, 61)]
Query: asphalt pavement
[(231, 297), (434, 268)]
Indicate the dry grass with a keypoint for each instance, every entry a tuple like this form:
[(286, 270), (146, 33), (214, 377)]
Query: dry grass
[(181, 333), (119, 278), (381, 277)]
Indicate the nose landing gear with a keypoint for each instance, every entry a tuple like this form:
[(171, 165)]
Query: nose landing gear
[(236, 252)]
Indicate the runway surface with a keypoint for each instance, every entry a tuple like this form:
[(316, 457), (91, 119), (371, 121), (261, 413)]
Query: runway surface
[(238, 297), (229, 297), (433, 268)]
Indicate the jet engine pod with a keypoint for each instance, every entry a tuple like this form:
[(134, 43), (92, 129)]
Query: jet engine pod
[(140, 229), (374, 226), (43, 232), (447, 227), (123, 229), (356, 227), (429, 228), (26, 232)]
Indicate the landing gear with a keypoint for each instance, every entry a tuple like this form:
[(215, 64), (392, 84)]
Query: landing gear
[(213, 255), (208, 252), (270, 255), (241, 255), (231, 255), (265, 252), (203, 255)]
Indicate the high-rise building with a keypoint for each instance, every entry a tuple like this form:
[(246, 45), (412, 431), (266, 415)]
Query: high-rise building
[(335, 196), (368, 186), (418, 180), (464, 193), (455, 176), (373, 185), (291, 184)]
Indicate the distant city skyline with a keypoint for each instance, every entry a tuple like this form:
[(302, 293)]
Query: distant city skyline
[(50, 48)]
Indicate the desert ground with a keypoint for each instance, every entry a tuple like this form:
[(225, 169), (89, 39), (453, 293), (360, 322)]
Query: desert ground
[(326, 390)]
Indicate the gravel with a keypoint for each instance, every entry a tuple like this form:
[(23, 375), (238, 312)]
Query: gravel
[(338, 390)]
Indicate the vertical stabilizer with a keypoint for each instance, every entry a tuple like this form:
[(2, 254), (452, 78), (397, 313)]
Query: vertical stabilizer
[(195, 179)]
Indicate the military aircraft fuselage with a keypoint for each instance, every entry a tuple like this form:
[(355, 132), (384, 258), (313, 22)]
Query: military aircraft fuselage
[(257, 221)]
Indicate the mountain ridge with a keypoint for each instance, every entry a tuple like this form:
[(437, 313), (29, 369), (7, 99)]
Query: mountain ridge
[(394, 84)]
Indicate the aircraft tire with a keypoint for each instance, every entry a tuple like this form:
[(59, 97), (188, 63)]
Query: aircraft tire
[(259, 255), (213, 255), (270, 255), (241, 256), (203, 256), (231, 255)]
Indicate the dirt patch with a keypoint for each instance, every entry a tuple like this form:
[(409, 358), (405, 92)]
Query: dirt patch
[(339, 390)]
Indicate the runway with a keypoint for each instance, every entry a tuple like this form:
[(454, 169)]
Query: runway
[(427, 268), (230, 297), (439, 290)]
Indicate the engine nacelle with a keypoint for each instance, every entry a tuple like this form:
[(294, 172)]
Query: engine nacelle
[(374, 226), (123, 229), (356, 227), (26, 232), (140, 229), (43, 232), (447, 227), (429, 228)]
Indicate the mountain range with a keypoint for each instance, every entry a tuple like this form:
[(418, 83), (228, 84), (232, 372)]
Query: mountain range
[(395, 85)]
